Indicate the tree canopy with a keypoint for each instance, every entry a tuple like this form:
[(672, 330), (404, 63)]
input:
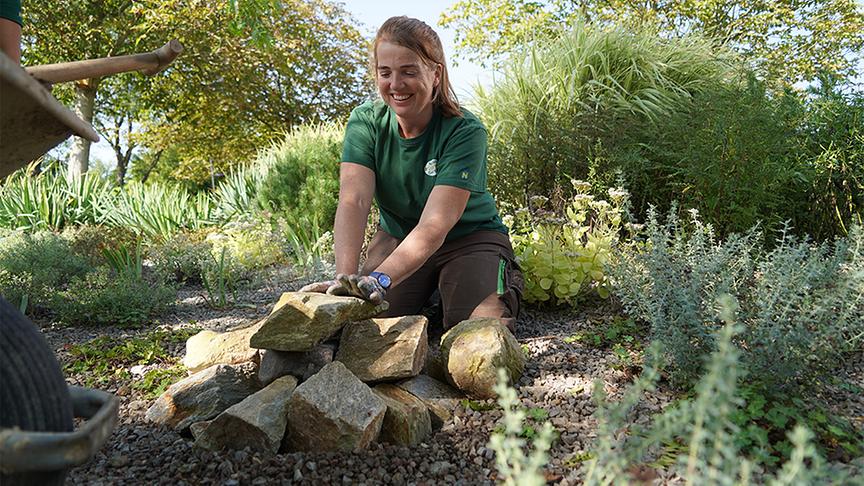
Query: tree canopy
[(242, 80), (790, 40)]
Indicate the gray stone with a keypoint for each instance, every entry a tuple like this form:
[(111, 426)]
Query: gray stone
[(208, 348), (258, 422), (331, 411), (302, 320), (203, 395), (275, 364), (384, 349), (440, 398), (407, 419), (472, 352)]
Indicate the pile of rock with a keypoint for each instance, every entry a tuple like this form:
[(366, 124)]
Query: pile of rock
[(319, 373)]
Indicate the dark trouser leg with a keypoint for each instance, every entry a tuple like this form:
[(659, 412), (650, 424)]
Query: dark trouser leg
[(479, 278)]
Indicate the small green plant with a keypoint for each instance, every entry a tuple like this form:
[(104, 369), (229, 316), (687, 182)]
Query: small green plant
[(156, 381), (698, 435), (250, 243), (564, 258), (103, 360), (514, 468), (125, 262), (104, 298), (478, 406), (181, 258), (33, 267), (218, 278)]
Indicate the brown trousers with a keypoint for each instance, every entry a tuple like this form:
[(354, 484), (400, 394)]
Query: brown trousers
[(476, 276)]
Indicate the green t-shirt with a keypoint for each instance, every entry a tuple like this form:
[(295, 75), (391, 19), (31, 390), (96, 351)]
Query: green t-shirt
[(11, 9), (450, 152)]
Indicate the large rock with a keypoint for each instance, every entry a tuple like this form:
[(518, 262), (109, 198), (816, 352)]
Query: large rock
[(473, 350), (203, 395), (384, 349), (332, 411), (440, 398), (407, 419), (208, 348), (275, 364), (258, 422), (302, 320)]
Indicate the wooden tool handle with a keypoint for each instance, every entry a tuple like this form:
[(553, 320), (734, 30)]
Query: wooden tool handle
[(148, 63)]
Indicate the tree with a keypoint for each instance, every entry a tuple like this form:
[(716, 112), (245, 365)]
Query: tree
[(790, 40), (250, 71), (69, 30)]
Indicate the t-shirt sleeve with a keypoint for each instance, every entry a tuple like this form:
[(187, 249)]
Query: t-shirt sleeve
[(11, 10), (463, 161), (359, 143)]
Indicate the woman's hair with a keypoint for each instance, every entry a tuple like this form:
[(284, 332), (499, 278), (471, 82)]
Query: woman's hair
[(421, 39)]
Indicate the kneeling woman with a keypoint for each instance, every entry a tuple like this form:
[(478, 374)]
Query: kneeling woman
[(423, 158)]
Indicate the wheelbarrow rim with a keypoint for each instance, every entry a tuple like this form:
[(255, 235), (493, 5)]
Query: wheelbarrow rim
[(26, 451)]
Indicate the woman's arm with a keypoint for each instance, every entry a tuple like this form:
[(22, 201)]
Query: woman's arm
[(442, 211), (356, 188)]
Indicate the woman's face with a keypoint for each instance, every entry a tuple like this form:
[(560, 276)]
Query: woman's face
[(405, 82)]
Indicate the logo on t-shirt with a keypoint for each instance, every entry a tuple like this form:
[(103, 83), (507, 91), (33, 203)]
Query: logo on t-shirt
[(431, 168), (464, 175)]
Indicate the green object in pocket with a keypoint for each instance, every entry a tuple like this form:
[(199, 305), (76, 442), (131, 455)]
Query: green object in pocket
[(501, 267)]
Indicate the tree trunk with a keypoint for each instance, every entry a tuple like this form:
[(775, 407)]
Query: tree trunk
[(123, 157), (79, 156)]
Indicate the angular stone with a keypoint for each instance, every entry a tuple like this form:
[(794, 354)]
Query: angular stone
[(473, 350), (203, 395), (302, 320), (208, 348), (258, 422), (333, 411), (440, 398), (384, 349), (407, 420), (434, 366), (300, 364)]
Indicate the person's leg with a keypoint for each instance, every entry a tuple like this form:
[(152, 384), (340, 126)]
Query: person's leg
[(479, 278), (411, 294)]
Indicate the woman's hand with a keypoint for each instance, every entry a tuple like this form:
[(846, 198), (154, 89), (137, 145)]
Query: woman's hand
[(319, 287), (362, 286)]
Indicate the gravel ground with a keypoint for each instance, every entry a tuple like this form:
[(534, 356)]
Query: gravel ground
[(558, 378)]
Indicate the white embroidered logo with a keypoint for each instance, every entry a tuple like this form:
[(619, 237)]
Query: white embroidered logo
[(431, 168)]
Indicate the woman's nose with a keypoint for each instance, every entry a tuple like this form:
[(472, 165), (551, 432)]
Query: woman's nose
[(396, 81)]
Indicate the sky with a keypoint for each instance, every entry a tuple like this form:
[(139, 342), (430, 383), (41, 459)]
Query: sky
[(371, 14)]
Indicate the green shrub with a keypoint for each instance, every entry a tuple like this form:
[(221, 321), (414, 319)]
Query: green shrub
[(564, 258), (104, 298), (251, 243), (33, 267), (90, 241), (702, 430), (589, 85), (180, 257), (730, 153), (303, 174), (800, 304)]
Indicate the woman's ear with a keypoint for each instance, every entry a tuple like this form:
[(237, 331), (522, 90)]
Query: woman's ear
[(438, 69)]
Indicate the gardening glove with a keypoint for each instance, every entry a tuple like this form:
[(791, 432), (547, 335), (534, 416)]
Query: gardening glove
[(364, 287), (320, 287)]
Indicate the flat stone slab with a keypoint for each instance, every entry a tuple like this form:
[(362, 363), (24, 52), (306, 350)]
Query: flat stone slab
[(407, 420), (440, 398), (208, 348), (302, 320), (203, 395), (384, 349), (333, 411), (258, 422)]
